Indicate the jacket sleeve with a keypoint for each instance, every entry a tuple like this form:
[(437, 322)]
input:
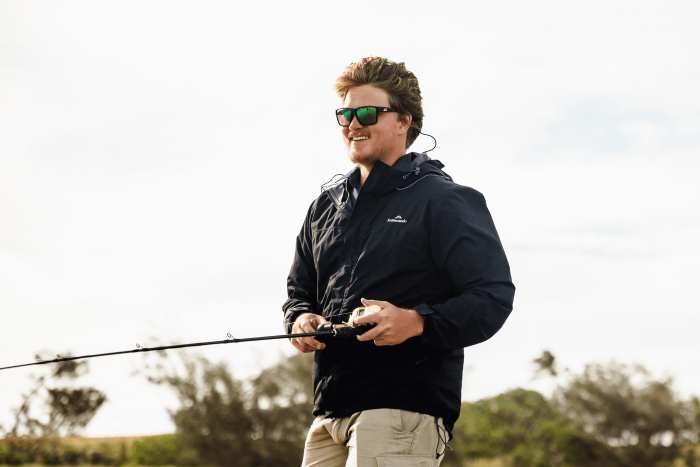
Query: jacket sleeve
[(466, 248), (301, 283)]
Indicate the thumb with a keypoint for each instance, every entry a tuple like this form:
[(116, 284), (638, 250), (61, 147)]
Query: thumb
[(319, 321), (379, 303)]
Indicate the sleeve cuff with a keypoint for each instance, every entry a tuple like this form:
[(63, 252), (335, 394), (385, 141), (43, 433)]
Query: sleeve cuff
[(428, 329), (289, 317)]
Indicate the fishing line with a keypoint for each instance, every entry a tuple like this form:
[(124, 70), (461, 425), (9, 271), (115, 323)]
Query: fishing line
[(324, 330)]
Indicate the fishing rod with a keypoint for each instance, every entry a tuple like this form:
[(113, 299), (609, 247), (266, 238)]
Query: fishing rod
[(325, 331)]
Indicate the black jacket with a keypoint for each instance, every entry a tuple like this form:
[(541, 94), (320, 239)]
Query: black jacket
[(418, 240)]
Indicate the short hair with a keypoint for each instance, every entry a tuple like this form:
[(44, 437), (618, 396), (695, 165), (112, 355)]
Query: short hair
[(393, 78)]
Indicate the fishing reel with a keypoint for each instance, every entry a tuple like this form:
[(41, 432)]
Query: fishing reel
[(324, 334), (349, 328)]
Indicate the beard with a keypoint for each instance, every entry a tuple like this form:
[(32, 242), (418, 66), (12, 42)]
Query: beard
[(367, 156), (358, 158)]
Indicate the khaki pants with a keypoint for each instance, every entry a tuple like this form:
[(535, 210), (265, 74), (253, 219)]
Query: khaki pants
[(375, 438)]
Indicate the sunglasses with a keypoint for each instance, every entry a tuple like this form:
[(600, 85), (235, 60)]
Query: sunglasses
[(366, 115)]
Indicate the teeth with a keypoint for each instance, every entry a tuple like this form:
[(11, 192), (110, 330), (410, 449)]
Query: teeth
[(359, 138)]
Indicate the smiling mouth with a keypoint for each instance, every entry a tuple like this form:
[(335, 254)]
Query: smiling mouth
[(359, 138)]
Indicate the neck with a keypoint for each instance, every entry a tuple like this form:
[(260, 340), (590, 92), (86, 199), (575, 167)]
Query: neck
[(366, 167)]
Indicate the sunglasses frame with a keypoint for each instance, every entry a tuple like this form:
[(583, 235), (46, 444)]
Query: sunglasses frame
[(354, 115)]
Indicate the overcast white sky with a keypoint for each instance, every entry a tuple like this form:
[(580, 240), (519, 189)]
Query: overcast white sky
[(157, 159)]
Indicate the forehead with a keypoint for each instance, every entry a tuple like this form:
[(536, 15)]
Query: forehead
[(366, 95)]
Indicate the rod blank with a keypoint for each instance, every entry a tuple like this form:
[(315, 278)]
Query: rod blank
[(140, 349)]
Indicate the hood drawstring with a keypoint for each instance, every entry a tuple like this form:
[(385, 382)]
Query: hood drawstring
[(415, 171)]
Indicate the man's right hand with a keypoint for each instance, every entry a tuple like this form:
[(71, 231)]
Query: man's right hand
[(307, 322)]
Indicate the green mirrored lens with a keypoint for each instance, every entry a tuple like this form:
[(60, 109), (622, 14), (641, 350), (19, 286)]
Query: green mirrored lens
[(367, 115), (344, 117)]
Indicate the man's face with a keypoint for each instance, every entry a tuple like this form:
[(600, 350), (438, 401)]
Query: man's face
[(384, 141)]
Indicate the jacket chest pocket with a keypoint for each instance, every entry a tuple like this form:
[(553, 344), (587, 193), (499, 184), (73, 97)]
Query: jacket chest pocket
[(398, 248)]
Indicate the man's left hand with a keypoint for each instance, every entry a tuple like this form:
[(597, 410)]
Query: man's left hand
[(393, 325)]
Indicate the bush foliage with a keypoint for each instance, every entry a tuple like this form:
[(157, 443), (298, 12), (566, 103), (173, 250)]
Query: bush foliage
[(18, 450), (524, 426), (66, 409), (625, 408), (609, 416), (229, 423)]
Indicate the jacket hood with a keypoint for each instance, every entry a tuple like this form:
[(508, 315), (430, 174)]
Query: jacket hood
[(405, 172)]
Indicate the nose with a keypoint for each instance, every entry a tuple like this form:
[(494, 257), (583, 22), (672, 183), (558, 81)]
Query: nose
[(355, 124)]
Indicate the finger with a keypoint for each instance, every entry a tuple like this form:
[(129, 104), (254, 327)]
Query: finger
[(379, 303), (372, 310), (304, 326), (368, 319), (300, 347), (302, 329), (312, 343), (313, 324), (321, 320), (305, 348), (370, 335), (309, 326), (319, 345)]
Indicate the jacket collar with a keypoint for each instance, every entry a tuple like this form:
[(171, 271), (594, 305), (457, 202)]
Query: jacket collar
[(384, 179)]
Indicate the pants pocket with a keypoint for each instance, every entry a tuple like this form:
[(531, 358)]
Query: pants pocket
[(410, 421), (404, 461)]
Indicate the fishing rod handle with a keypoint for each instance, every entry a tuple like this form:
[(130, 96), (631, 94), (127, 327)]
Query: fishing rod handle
[(341, 330), (351, 328)]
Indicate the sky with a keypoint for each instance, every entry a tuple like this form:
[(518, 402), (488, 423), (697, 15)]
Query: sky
[(157, 160)]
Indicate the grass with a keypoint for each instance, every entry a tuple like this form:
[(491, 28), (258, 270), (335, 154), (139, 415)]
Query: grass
[(119, 451), (77, 450), (87, 443)]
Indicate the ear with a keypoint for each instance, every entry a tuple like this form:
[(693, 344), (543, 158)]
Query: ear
[(404, 123)]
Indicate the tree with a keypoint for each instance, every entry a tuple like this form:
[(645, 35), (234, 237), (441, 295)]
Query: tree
[(282, 402), (212, 418), (231, 423), (524, 427), (545, 363), (66, 409), (622, 406)]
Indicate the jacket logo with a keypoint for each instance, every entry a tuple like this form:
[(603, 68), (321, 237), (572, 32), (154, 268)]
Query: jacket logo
[(397, 219)]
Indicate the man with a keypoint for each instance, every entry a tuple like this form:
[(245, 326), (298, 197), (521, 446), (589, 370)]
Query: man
[(398, 235)]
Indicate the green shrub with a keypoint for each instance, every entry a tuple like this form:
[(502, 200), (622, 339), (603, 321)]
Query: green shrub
[(50, 457), (629, 411), (3, 454), (72, 455), (156, 451), (109, 454), (14, 458), (523, 425), (224, 424), (20, 449)]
